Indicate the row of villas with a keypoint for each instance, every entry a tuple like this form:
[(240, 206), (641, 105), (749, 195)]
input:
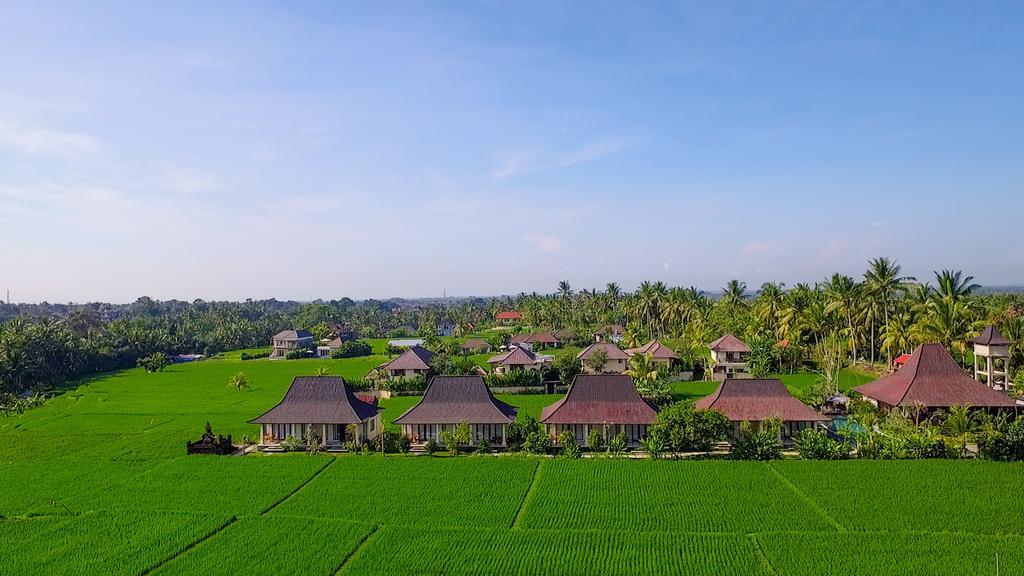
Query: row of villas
[(327, 408)]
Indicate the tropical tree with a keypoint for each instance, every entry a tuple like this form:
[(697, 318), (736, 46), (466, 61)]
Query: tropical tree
[(239, 381)]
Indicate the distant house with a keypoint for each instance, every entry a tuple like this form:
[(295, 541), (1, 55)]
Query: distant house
[(344, 331), (445, 328), (508, 317), (517, 358), (755, 401), (413, 362), (405, 342), (992, 352), (287, 340), (452, 400), (476, 346), (609, 333), (931, 380), (606, 402), (616, 361), (730, 357), (535, 340), (319, 406), (659, 353), (564, 335)]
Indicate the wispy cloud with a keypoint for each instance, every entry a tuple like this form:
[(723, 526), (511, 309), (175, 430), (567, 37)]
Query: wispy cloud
[(183, 180), (543, 244), (764, 248), (534, 160), (35, 141)]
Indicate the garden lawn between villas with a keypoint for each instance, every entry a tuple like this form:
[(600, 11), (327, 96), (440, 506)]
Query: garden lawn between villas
[(96, 481)]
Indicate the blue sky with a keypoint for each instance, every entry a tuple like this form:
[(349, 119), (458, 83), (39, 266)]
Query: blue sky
[(234, 150)]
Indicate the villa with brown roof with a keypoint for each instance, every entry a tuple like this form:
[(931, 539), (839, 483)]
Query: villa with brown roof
[(452, 400), (659, 353), (931, 379), (286, 341), (607, 402), (517, 358), (413, 362), (616, 362), (536, 340), (755, 401), (609, 333), (476, 346), (730, 357), (320, 406)]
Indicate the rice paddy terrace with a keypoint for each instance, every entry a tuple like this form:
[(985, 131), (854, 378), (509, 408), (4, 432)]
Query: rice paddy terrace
[(96, 482)]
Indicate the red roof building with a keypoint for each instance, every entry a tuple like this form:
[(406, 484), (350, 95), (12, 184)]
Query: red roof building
[(750, 400), (509, 317), (932, 379), (607, 402), (452, 400)]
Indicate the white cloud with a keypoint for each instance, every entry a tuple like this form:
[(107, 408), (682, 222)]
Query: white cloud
[(764, 248), (187, 181), (33, 141), (543, 244), (533, 160)]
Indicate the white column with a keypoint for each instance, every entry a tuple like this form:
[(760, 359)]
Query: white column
[(988, 370)]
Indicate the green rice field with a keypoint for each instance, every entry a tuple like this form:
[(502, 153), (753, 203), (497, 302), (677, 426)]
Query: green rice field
[(96, 482)]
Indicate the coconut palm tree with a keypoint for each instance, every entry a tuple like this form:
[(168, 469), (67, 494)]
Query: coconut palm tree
[(735, 293), (954, 286), (643, 367), (842, 294), (883, 283)]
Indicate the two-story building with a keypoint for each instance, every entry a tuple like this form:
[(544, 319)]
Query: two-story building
[(730, 358), (286, 341)]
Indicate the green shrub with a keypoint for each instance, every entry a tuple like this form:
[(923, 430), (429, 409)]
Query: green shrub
[(816, 445), (686, 429), (537, 442), (570, 447), (1005, 443), (430, 447), (617, 445), (456, 438), (297, 354), (595, 440), (758, 443), (254, 355), (352, 349), (483, 447), (155, 362), (515, 378), (653, 444), (291, 444)]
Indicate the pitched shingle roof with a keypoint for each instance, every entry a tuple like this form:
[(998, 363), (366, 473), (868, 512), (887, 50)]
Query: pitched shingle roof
[(613, 351), (456, 399), (475, 344), (600, 399), (290, 335), (992, 337), (415, 358), (564, 334), (515, 357), (756, 400), (729, 343), (656, 349), (610, 329), (509, 315), (318, 400), (932, 378)]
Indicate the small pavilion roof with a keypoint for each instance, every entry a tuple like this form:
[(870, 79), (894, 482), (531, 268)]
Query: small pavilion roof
[(992, 337), (613, 351), (931, 378), (457, 399), (475, 344), (656, 349), (515, 357), (600, 399), (318, 400), (729, 343), (754, 400), (415, 358)]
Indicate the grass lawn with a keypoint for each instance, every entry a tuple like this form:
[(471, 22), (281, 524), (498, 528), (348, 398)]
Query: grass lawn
[(96, 482)]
